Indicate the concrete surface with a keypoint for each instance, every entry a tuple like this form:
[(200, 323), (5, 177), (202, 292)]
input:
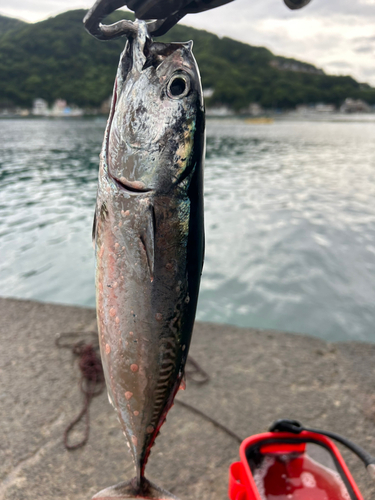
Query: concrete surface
[(256, 377)]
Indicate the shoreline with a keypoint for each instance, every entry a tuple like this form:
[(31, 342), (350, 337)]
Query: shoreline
[(266, 118), (257, 376), (259, 329)]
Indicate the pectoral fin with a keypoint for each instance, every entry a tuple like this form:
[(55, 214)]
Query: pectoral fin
[(148, 240), (94, 228)]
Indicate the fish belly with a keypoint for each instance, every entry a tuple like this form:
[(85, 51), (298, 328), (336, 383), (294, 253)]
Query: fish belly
[(143, 308)]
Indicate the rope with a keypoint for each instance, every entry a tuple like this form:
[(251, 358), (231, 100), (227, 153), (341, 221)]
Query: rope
[(192, 369), (92, 382), (210, 419), (195, 373)]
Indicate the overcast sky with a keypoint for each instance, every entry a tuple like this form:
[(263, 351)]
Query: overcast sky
[(335, 35)]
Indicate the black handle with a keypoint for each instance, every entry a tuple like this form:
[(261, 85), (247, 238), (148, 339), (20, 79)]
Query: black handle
[(295, 427), (164, 13)]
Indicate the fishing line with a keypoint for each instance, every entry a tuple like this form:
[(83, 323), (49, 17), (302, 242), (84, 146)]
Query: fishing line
[(92, 381), (210, 419)]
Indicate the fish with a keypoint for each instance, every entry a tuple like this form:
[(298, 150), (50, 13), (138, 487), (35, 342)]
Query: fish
[(148, 233)]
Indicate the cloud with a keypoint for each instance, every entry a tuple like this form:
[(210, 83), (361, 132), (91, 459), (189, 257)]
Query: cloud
[(364, 49), (323, 33), (37, 10), (340, 64)]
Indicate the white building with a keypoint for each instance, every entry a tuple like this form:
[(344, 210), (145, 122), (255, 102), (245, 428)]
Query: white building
[(40, 107), (355, 106)]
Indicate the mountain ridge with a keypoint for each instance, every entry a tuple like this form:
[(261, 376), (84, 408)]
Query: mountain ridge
[(56, 58), (9, 24)]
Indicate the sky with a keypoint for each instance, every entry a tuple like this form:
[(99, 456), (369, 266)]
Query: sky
[(337, 36)]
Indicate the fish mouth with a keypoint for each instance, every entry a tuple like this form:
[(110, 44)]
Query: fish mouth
[(135, 187), (130, 187), (137, 147)]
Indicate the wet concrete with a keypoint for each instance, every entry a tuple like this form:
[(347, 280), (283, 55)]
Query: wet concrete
[(256, 377)]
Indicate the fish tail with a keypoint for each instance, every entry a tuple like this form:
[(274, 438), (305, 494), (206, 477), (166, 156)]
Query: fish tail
[(133, 490)]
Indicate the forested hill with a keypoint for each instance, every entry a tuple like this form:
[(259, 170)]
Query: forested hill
[(56, 58), (8, 24)]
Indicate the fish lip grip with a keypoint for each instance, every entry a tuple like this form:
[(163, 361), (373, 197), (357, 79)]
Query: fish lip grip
[(163, 13), (296, 4), (243, 485)]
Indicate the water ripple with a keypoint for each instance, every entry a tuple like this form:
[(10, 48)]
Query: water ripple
[(290, 221)]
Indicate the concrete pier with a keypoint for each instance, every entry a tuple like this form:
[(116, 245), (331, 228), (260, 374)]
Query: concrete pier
[(256, 378)]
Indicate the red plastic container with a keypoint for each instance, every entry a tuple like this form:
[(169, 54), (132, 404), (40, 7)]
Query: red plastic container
[(285, 466)]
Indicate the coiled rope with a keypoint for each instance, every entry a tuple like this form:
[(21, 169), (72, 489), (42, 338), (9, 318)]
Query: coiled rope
[(92, 381)]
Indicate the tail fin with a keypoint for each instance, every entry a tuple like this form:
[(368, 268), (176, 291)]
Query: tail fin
[(130, 490)]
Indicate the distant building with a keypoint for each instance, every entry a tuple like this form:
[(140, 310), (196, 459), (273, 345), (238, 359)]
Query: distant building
[(207, 93), (253, 109), (325, 108), (40, 107), (58, 108), (219, 111), (304, 109), (355, 106), (61, 109), (22, 112)]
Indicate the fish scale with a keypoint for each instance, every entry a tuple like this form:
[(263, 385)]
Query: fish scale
[(149, 240)]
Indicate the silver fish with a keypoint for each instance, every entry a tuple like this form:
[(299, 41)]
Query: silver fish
[(149, 240)]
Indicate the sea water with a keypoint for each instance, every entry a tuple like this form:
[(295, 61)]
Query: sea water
[(289, 214)]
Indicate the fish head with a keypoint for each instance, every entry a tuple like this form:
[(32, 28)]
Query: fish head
[(157, 110)]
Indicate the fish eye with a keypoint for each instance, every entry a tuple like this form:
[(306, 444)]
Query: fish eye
[(178, 86)]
